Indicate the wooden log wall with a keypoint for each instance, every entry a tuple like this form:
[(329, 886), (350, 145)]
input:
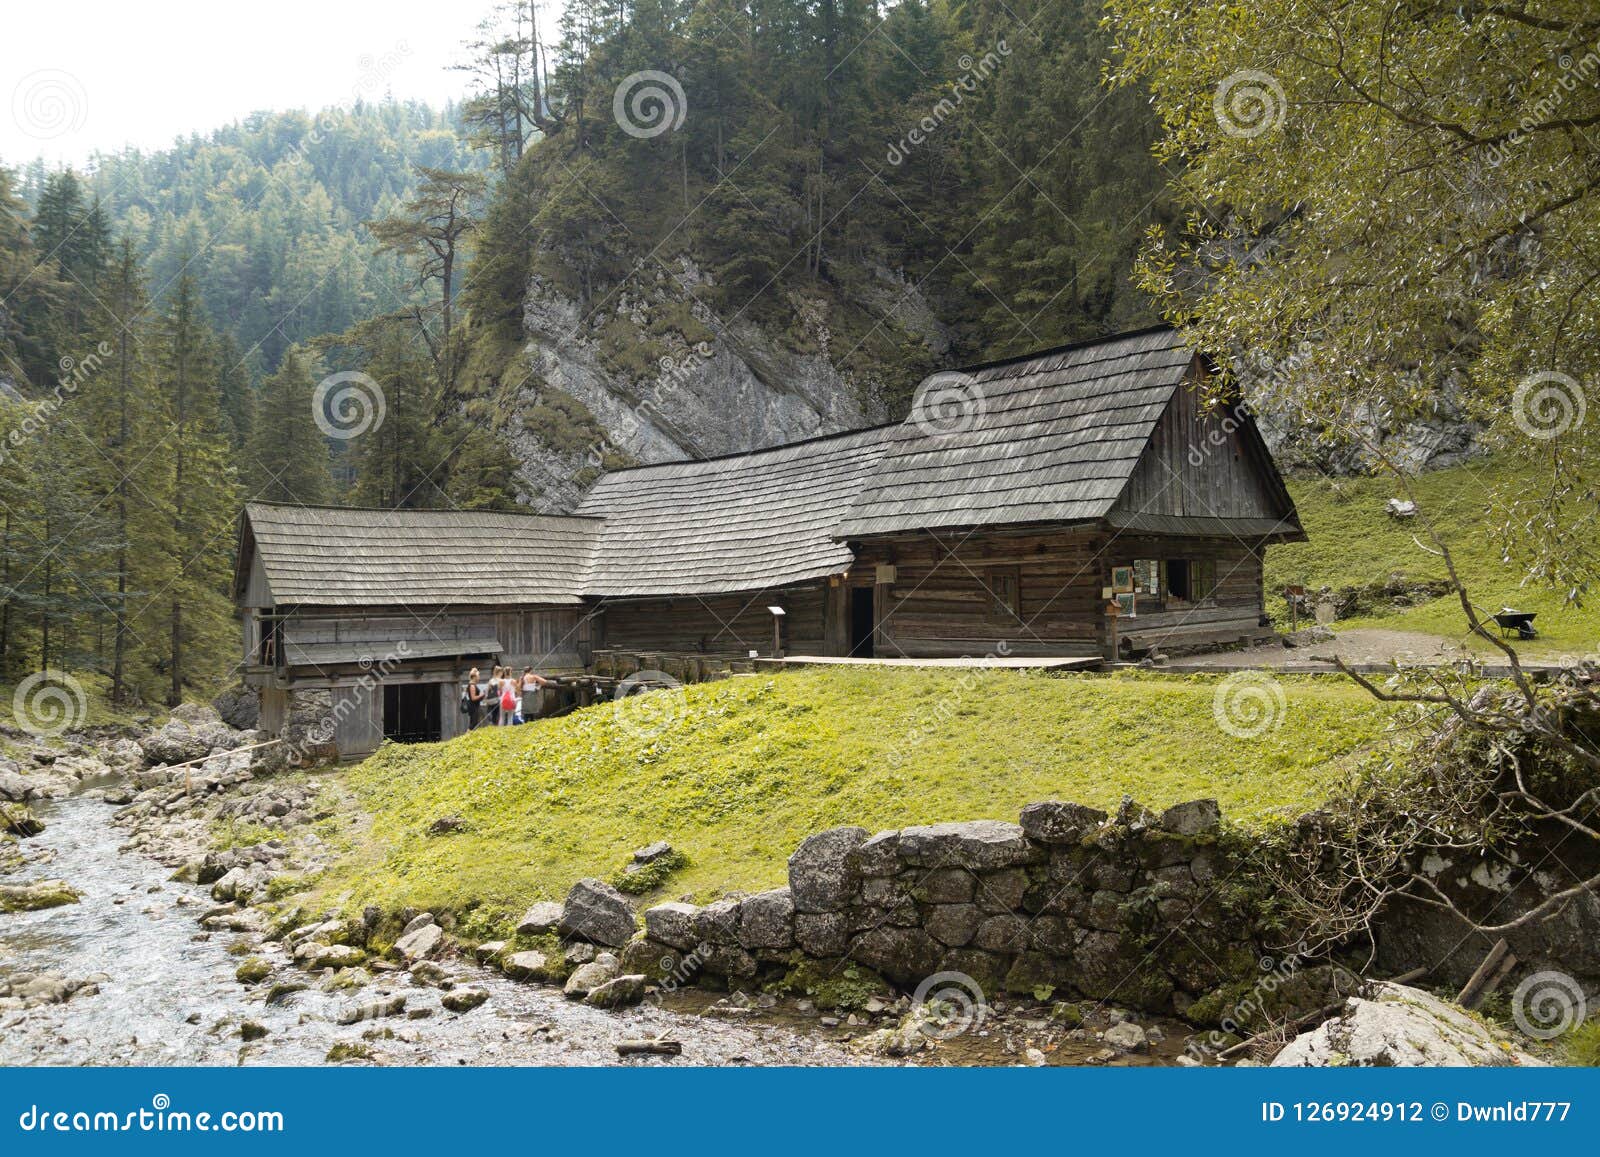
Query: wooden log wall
[(953, 595), (720, 624), (1236, 602), (553, 638), (1040, 593)]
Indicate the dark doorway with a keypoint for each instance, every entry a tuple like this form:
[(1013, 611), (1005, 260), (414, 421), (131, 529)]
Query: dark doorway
[(862, 622), (1178, 585), (411, 712)]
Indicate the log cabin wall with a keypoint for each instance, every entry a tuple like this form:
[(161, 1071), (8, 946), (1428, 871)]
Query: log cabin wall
[(717, 624), (967, 595), (1040, 593), (543, 638), (1220, 597)]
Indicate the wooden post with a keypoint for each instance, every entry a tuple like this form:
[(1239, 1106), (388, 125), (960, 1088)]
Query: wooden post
[(1113, 610), (1478, 985)]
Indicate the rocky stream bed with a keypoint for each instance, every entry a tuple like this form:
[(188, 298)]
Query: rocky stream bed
[(169, 953)]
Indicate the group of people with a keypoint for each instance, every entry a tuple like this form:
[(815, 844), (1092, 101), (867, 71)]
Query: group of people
[(498, 700)]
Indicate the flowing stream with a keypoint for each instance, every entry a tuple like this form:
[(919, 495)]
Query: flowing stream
[(167, 993)]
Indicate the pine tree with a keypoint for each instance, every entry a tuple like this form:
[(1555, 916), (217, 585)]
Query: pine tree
[(120, 413), (193, 606), (287, 457), (71, 232), (404, 461), (237, 389)]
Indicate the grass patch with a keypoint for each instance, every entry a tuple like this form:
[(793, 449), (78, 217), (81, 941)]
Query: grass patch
[(751, 766), (1353, 543), (1583, 1045), (650, 876)]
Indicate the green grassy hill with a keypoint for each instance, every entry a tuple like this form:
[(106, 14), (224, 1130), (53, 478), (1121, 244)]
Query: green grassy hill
[(1354, 543), (741, 771)]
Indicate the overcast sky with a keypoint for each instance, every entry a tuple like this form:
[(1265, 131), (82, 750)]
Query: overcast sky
[(80, 75)]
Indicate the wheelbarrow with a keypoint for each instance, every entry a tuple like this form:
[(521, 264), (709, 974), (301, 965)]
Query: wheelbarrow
[(1519, 623)]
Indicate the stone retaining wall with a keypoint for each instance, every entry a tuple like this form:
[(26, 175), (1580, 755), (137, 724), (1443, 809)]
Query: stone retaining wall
[(1138, 909)]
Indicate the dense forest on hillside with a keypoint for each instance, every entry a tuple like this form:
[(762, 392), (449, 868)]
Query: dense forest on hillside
[(268, 214), (167, 316)]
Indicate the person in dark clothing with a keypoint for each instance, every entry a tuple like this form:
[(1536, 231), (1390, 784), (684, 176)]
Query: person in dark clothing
[(474, 698)]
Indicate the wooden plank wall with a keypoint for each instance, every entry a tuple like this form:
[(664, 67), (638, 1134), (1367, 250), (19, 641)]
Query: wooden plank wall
[(941, 604), (554, 637), (1232, 613), (720, 624), (358, 719), (1196, 465)]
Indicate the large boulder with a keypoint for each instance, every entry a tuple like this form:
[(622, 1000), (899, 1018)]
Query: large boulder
[(530, 966), (588, 977), (420, 943), (17, 788), (239, 707), (672, 924), (977, 845), (617, 992), (545, 916), (597, 912), (1127, 1037), (1394, 1026), (242, 883), (195, 714), (766, 920), (1054, 822), (906, 956), (32, 897), (174, 742), (315, 956), (820, 878)]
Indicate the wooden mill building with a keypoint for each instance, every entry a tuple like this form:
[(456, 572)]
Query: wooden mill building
[(1006, 523)]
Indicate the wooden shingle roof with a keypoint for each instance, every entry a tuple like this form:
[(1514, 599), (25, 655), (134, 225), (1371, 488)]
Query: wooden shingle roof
[(1048, 438), (1051, 438), (340, 557), (742, 522)]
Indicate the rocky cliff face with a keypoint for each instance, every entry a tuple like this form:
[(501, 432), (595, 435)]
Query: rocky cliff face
[(1435, 438), (656, 375)]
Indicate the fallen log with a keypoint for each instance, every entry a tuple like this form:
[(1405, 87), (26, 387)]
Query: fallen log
[(1478, 985), (657, 1046), (22, 823)]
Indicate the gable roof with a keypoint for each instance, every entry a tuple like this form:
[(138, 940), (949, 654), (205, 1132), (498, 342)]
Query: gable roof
[(741, 522), (1055, 437), (1052, 437), (335, 556)]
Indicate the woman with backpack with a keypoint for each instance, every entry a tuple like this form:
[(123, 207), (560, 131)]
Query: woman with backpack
[(510, 699), (472, 699), (491, 698)]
